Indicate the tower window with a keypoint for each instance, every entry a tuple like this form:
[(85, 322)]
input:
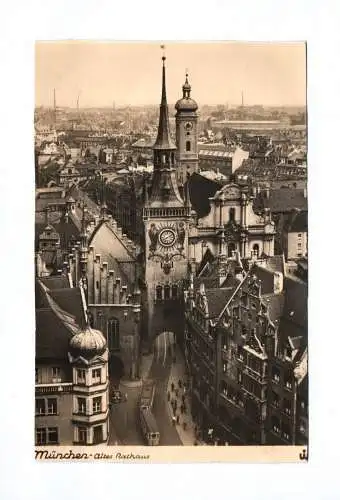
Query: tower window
[(158, 292), (256, 250), (188, 146), (113, 334), (166, 292), (174, 291)]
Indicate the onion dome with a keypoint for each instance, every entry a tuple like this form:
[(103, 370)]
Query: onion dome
[(186, 103), (87, 343)]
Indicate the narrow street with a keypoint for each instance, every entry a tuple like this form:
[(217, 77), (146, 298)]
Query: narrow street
[(124, 417), (160, 372)]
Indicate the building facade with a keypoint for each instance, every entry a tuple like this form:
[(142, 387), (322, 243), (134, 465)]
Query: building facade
[(71, 369), (246, 351)]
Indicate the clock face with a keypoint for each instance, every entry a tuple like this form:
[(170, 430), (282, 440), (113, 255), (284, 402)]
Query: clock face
[(188, 126), (167, 237)]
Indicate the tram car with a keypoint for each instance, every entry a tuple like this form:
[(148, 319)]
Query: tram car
[(149, 427), (147, 395)]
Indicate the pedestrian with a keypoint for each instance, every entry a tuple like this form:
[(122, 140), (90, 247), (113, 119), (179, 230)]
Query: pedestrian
[(173, 420), (169, 396), (177, 419), (172, 387), (180, 383)]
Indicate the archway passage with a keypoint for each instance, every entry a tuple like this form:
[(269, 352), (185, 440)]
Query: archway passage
[(116, 370), (164, 347)]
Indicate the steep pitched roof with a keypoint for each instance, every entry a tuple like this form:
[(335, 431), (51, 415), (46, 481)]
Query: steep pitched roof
[(52, 336), (284, 200), (200, 190), (298, 222), (217, 299)]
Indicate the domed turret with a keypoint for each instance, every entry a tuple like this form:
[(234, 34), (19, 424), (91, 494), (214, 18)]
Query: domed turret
[(87, 343), (186, 103)]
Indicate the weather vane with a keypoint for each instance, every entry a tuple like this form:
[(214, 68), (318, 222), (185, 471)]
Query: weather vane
[(163, 49)]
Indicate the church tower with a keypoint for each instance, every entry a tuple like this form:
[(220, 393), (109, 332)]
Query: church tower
[(186, 134), (166, 223)]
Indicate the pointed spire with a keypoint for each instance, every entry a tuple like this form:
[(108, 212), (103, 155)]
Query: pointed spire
[(163, 140)]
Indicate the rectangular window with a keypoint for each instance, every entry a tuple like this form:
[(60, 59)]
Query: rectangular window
[(55, 372), (40, 436), (82, 406), (82, 435), (52, 435), (97, 405), (96, 376), (275, 399), (52, 406), (81, 376), (40, 407)]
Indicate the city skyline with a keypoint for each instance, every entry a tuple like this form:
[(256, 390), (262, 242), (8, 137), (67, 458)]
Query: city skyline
[(268, 74)]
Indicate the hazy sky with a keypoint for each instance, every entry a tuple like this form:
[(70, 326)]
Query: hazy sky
[(130, 73)]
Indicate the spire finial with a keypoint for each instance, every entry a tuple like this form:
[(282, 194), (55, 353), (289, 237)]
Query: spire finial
[(163, 57), (186, 87)]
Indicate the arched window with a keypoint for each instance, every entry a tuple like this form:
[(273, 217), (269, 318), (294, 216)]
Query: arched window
[(256, 250), (232, 214), (159, 295), (188, 146), (113, 338), (166, 292), (231, 249)]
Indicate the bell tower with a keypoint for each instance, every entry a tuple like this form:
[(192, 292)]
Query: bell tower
[(186, 134), (166, 218)]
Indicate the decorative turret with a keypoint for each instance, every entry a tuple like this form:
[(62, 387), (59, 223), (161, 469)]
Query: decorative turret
[(186, 103), (186, 134), (87, 344)]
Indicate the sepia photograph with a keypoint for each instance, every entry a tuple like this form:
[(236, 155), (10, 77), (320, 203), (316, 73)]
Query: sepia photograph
[(171, 250)]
